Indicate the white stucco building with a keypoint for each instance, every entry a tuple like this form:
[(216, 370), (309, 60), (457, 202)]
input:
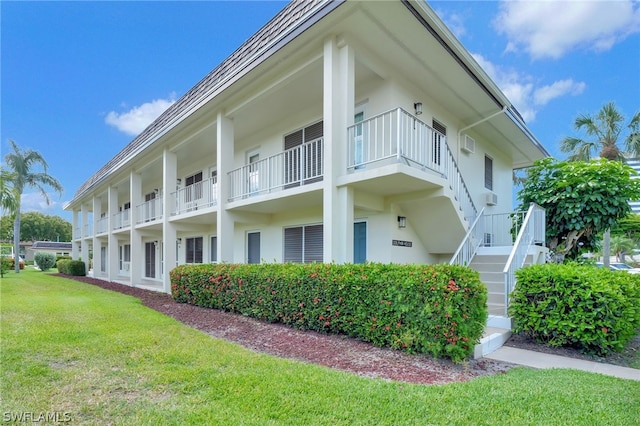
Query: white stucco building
[(340, 132)]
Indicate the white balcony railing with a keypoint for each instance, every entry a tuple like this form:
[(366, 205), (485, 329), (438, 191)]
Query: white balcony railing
[(102, 225), (397, 136), (199, 195), (149, 210), (297, 166), (122, 219)]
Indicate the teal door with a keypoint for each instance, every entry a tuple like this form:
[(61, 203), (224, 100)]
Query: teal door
[(359, 242)]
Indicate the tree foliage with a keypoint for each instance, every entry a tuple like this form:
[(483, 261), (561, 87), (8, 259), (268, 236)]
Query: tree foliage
[(36, 226), (582, 199), (603, 130), (23, 172)]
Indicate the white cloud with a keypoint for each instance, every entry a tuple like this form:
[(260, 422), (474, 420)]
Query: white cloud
[(560, 88), (135, 120), (35, 202), (549, 29), (523, 91)]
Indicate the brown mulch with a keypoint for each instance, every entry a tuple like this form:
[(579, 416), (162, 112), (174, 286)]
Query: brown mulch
[(333, 351)]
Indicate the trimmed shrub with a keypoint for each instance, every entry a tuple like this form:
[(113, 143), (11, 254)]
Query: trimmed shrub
[(5, 265), (593, 309), (44, 260), (436, 309), (72, 267), (62, 257)]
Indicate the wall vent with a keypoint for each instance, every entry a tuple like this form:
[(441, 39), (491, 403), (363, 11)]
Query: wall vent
[(469, 144), (491, 199)]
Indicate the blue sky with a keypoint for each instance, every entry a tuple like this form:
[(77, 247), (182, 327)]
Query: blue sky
[(80, 79)]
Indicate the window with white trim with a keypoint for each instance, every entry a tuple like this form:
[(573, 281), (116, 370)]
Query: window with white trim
[(303, 244), (438, 140), (213, 249), (488, 172), (304, 164), (194, 250)]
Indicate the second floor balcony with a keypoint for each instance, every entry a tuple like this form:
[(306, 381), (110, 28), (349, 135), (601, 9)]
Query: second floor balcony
[(291, 168), (198, 195)]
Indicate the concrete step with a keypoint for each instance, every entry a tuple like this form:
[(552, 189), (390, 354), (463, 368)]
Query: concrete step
[(495, 298), (496, 308), (492, 339), (490, 258)]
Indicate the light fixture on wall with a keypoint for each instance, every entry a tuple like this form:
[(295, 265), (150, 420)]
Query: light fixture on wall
[(418, 107), (178, 181), (179, 240), (402, 221)]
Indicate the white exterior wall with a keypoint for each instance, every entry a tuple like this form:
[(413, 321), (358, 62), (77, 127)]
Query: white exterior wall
[(329, 76)]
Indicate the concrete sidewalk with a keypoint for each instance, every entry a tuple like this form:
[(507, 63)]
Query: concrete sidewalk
[(542, 360)]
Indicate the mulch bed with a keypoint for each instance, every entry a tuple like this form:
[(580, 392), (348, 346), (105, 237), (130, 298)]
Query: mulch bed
[(332, 351)]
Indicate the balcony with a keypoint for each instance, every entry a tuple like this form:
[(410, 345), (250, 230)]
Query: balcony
[(298, 166), (199, 195), (101, 225), (122, 219), (399, 137), (149, 211)]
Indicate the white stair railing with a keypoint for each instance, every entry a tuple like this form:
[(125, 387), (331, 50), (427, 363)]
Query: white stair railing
[(531, 232), (470, 243)]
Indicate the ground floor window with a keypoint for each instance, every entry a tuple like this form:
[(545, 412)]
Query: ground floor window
[(213, 249), (150, 259), (103, 259), (253, 247), (124, 257), (303, 244), (194, 250)]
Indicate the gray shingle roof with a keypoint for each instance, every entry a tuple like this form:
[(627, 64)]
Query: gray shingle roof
[(51, 245), (285, 22)]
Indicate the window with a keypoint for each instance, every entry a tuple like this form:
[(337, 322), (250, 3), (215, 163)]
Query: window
[(213, 249), (124, 257), (488, 172), (253, 247), (193, 189), (303, 244), (438, 140), (253, 157), (194, 250), (150, 259), (304, 164), (149, 209)]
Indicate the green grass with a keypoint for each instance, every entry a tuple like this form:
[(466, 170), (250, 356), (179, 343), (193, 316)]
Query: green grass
[(103, 358)]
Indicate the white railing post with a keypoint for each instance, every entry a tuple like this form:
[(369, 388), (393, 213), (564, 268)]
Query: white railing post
[(528, 234)]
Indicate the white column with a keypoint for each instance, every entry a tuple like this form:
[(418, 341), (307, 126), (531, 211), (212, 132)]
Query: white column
[(97, 212), (224, 153), (76, 234), (169, 177), (338, 110), (112, 246), (137, 254), (84, 245)]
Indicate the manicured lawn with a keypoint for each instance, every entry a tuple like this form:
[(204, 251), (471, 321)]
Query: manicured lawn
[(101, 357)]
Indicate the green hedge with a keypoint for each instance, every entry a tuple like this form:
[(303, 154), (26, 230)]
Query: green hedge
[(436, 309), (593, 309), (72, 267)]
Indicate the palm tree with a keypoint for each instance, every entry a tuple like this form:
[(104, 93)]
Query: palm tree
[(604, 129), (21, 173), (8, 199)]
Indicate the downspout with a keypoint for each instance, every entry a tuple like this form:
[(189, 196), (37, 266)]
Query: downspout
[(502, 111)]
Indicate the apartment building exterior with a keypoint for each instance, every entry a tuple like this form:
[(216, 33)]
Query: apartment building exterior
[(342, 131)]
